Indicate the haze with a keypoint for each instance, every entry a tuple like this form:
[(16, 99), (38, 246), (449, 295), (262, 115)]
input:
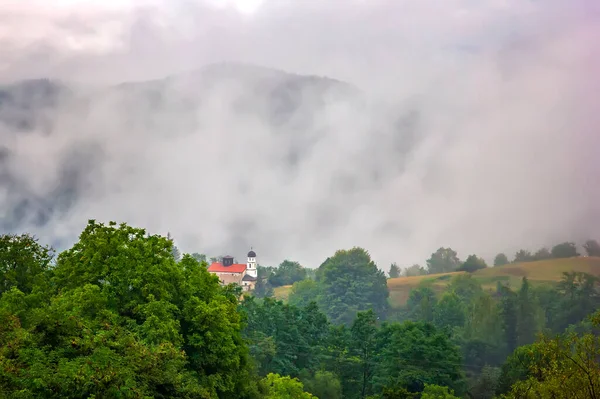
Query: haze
[(479, 130)]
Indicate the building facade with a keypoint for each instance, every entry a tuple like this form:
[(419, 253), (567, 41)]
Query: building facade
[(244, 275)]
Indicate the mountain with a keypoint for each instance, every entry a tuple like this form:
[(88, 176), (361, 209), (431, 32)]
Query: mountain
[(59, 141)]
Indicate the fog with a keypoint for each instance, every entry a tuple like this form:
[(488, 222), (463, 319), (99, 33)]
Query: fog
[(469, 124)]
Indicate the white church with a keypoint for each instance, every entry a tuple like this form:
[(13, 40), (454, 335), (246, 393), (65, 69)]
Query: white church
[(244, 275)]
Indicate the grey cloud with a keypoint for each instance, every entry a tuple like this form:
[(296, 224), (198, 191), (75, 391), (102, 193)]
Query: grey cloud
[(468, 124)]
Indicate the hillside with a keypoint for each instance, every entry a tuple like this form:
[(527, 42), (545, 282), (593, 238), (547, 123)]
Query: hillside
[(540, 272)]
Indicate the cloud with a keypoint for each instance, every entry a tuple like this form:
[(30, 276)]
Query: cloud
[(475, 127)]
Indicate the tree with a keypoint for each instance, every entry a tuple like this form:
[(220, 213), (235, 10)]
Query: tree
[(287, 273), (592, 248), (303, 292), (263, 289), (394, 271), (432, 391), (421, 303), (472, 264), (449, 311), (200, 258), (565, 250), (350, 282), (523, 255), (525, 315), (324, 384), (443, 260), (562, 367), (414, 354), (542, 254), (123, 319), (501, 260), (414, 270), (508, 312), (274, 386), (174, 250), (363, 338), (486, 383), (23, 262)]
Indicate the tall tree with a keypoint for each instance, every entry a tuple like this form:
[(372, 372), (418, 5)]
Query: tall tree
[(287, 273), (592, 248), (542, 254), (442, 261), (501, 259), (350, 282), (472, 264), (23, 262), (565, 250), (508, 311), (363, 332), (394, 270), (523, 255), (449, 311), (525, 315), (414, 270), (125, 320)]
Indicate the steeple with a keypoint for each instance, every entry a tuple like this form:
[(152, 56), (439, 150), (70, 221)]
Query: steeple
[(251, 264)]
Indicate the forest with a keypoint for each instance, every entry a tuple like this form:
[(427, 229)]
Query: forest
[(122, 314)]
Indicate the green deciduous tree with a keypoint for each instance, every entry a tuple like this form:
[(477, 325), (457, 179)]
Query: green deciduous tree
[(415, 354), (432, 391), (350, 282), (592, 248), (565, 250), (121, 318), (449, 311), (542, 254), (523, 255), (501, 259), (472, 264), (274, 386), (414, 270), (394, 271), (442, 261), (287, 273), (23, 262)]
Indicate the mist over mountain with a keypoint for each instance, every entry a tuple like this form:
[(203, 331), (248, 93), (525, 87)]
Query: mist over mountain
[(339, 125)]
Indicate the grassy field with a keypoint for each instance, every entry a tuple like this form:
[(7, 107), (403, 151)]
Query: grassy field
[(540, 272), (282, 292)]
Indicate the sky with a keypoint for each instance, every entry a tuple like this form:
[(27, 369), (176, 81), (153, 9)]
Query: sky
[(503, 155)]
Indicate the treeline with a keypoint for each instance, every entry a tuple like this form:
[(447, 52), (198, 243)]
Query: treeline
[(124, 314), (446, 260)]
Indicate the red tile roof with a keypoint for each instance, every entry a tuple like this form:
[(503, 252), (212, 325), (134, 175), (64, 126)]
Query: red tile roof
[(219, 268)]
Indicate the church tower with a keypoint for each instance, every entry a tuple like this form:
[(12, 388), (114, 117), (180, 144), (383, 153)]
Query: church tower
[(251, 266)]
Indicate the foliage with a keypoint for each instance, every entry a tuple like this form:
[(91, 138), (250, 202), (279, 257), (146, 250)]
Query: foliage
[(523, 255), (432, 391), (287, 273), (442, 261), (394, 271), (501, 259), (592, 248), (565, 250), (324, 384), (414, 270), (449, 311), (472, 264), (415, 354), (542, 254), (274, 386), (303, 292), (561, 367), (421, 302), (122, 319), (200, 258), (350, 282), (23, 263)]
